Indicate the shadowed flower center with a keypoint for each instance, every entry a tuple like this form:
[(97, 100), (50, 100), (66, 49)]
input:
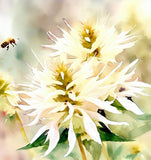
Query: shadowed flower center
[(3, 87), (88, 36), (64, 75), (95, 53)]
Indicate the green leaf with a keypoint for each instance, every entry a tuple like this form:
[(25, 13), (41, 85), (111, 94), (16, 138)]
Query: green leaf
[(104, 128), (93, 148), (118, 105), (117, 152), (110, 149), (109, 98), (114, 151), (38, 142), (63, 136), (131, 156), (109, 136), (136, 132), (144, 117)]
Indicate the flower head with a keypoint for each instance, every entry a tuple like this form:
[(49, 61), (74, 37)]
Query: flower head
[(61, 95), (124, 85), (91, 39), (8, 97)]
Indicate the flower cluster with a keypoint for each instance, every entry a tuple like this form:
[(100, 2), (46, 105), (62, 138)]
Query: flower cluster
[(80, 81)]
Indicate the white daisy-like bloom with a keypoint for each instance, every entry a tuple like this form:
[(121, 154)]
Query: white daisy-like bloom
[(8, 97), (125, 85), (59, 95), (91, 39)]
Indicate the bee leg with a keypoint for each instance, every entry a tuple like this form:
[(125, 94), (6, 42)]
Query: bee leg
[(7, 47), (12, 44)]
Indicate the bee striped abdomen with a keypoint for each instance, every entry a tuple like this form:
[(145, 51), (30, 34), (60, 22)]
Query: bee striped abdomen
[(4, 44)]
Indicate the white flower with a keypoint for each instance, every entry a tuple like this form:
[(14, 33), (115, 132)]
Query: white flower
[(124, 86), (65, 95), (91, 39)]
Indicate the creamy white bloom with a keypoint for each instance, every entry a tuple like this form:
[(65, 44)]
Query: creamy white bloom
[(69, 96), (8, 97), (91, 39), (125, 85)]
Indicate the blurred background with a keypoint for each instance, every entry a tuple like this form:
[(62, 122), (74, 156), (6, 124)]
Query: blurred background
[(28, 21)]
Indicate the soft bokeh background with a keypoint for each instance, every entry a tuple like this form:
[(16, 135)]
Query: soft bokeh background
[(28, 21)]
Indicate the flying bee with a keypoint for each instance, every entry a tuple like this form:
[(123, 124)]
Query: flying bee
[(8, 41)]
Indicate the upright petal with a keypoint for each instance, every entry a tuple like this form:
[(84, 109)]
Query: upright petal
[(71, 139), (54, 136), (91, 128)]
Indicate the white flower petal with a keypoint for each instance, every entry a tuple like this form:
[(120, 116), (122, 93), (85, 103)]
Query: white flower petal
[(129, 75), (139, 84), (129, 66), (28, 85), (62, 75), (23, 92), (103, 79), (129, 105), (91, 128), (54, 136), (101, 118), (38, 60), (87, 30), (25, 107), (71, 139), (52, 36), (70, 84), (71, 111), (60, 108), (60, 92), (36, 120), (72, 95), (34, 113), (103, 105), (87, 39)]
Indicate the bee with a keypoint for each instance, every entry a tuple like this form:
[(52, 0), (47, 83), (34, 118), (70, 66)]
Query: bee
[(8, 41)]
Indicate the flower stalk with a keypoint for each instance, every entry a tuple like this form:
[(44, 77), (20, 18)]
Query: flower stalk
[(81, 149), (22, 130), (104, 151)]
